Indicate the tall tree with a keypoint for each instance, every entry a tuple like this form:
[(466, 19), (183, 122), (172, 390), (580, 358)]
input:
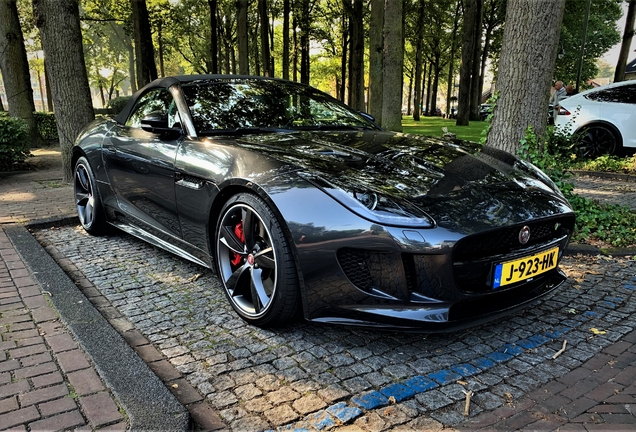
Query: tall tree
[(15, 69), (475, 88), (242, 36), (393, 59), (419, 44), (214, 41), (286, 13), (451, 62), (59, 24), (144, 51), (356, 58), (628, 34), (471, 20), (376, 48), (530, 39), (265, 53)]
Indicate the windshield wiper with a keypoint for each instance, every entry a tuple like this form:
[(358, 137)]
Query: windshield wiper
[(243, 131)]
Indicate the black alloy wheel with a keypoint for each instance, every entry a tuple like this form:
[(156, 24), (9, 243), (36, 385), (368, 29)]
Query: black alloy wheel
[(255, 263), (599, 140), (87, 200)]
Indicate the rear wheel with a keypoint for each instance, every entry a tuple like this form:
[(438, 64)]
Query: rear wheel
[(255, 262), (87, 200), (599, 140)]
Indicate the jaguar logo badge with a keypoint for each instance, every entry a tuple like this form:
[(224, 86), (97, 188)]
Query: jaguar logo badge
[(524, 235)]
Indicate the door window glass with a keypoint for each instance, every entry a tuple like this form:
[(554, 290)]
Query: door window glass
[(158, 101)]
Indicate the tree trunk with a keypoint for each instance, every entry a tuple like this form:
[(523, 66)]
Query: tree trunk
[(59, 24), (451, 64), (241, 30), (531, 38), (144, 51), (376, 46), (262, 11), (393, 60), (160, 42), (343, 61), (47, 84), (429, 81), (356, 71), (15, 69), (305, 22), (214, 40), (465, 71), (418, 63), (628, 34), (286, 12), (295, 48), (131, 66), (408, 99), (475, 89)]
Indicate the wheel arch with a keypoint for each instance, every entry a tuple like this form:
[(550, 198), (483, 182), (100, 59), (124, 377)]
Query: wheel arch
[(582, 128), (235, 187)]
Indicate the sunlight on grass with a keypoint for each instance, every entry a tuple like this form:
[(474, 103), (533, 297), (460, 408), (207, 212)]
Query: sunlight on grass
[(432, 126)]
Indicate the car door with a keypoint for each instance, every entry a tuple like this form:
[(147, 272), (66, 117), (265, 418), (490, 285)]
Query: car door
[(140, 166), (617, 106)]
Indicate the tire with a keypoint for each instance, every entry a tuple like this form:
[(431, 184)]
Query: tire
[(599, 140), (255, 263), (87, 199)]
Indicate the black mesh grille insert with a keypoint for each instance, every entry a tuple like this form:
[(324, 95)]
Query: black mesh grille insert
[(505, 240), (355, 264)]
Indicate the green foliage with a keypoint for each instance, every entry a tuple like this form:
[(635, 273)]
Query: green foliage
[(14, 142), (46, 125), (612, 224), (117, 104), (607, 163), (432, 126)]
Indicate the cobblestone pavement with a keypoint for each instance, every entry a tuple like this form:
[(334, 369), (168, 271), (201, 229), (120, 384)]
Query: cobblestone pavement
[(46, 381), (316, 376), (618, 190)]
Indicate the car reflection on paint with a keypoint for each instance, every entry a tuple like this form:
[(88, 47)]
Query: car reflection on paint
[(306, 208)]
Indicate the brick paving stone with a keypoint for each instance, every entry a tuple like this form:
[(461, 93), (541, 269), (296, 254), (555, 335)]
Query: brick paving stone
[(72, 360), (47, 380), (8, 404), (29, 341), (44, 313), (36, 359), (59, 422), (576, 407), (9, 365), (85, 382), (627, 376), (100, 409), (14, 388), (57, 406), (27, 351), (61, 342), (43, 395), (21, 416), (34, 371)]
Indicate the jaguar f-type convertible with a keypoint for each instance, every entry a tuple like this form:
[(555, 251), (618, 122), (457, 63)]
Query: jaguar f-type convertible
[(304, 207)]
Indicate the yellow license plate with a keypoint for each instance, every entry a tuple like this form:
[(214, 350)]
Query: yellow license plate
[(525, 268)]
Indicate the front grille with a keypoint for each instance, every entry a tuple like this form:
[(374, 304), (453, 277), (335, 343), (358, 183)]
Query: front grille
[(505, 240), (475, 256), (355, 264)]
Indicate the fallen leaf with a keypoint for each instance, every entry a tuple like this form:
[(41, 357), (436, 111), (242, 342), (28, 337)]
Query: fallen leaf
[(597, 331), (392, 399), (462, 382), (175, 385)]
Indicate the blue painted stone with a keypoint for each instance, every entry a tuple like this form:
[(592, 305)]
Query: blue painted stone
[(630, 286), (608, 304), (512, 349), (420, 384), (398, 391), (527, 343), (540, 339), (557, 332), (614, 299), (320, 420), (484, 363), (371, 400), (444, 376), (343, 412), (499, 357), (590, 314), (465, 369)]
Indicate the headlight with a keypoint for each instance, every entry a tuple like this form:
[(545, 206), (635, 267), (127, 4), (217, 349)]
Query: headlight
[(375, 207)]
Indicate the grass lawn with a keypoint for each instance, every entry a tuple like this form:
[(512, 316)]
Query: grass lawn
[(432, 126)]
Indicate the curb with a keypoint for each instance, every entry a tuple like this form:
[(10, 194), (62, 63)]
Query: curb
[(144, 397), (606, 175)]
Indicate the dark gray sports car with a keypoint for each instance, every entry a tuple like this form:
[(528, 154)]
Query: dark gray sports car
[(305, 207)]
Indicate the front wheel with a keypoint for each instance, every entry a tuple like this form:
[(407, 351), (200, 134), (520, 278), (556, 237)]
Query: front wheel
[(255, 262), (598, 141), (87, 200)]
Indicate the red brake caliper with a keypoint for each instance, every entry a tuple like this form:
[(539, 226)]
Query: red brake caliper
[(238, 230)]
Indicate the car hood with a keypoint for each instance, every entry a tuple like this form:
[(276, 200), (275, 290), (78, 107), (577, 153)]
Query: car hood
[(451, 181)]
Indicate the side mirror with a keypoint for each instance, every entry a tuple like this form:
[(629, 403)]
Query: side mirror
[(367, 116), (157, 123)]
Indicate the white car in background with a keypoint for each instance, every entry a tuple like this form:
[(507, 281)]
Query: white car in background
[(605, 116)]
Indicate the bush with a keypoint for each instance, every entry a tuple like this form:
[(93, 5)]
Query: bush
[(47, 126), (117, 104), (14, 142)]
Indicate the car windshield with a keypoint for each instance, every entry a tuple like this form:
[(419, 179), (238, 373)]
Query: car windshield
[(227, 105)]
